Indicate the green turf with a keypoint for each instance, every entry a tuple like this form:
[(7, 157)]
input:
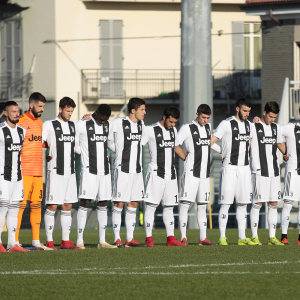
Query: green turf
[(192, 272)]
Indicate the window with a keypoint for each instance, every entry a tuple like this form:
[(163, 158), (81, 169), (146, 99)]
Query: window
[(111, 58), (252, 46)]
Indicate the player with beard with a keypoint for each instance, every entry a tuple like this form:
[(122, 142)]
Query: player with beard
[(61, 188), (32, 167), (235, 175), (161, 180), (11, 183)]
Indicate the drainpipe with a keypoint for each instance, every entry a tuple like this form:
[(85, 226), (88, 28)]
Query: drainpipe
[(273, 18)]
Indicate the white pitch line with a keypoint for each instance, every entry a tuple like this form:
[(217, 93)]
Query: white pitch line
[(120, 271)]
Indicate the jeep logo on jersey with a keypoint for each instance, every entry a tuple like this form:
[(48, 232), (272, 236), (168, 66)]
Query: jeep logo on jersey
[(36, 138), (66, 138), (167, 144), (242, 137), (267, 140), (203, 142), (15, 147), (98, 138), (134, 136)]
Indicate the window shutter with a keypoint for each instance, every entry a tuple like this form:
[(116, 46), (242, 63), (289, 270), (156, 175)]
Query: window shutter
[(238, 54)]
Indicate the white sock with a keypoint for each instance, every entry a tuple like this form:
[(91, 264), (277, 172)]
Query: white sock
[(254, 219), (149, 218), (168, 218), (81, 222), (65, 222), (241, 217), (183, 218), (3, 212), (272, 219), (116, 220), (12, 222), (285, 216), (202, 220), (49, 224), (223, 218), (102, 222), (130, 220), (35, 242)]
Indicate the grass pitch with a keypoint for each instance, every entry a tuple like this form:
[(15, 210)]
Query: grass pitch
[(160, 272)]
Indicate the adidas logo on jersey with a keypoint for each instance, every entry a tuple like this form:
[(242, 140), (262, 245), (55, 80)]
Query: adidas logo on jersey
[(235, 128), (159, 135), (57, 128), (260, 130), (195, 132), (266, 140), (28, 128), (8, 136), (91, 128), (126, 127), (298, 131), (134, 136)]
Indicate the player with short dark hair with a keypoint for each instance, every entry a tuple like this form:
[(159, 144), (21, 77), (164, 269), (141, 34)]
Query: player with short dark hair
[(195, 180), (266, 138), (161, 179), (128, 183), (61, 187), (32, 167), (235, 175), (93, 137), (11, 181)]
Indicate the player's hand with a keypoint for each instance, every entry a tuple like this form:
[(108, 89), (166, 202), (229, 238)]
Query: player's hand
[(87, 117), (48, 157), (286, 158), (222, 159), (256, 120)]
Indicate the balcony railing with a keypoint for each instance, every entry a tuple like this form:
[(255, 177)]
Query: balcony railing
[(12, 87), (165, 84)]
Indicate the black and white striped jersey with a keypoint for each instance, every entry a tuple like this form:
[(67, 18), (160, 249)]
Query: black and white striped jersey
[(264, 142), (196, 140), (11, 142), (60, 137), (92, 141), (127, 139), (291, 132), (235, 137), (161, 144)]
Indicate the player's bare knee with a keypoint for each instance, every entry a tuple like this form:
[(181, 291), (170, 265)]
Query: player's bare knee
[(133, 204), (119, 204), (102, 203), (85, 203), (66, 207)]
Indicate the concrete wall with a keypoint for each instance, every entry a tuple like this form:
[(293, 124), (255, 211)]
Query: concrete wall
[(277, 58)]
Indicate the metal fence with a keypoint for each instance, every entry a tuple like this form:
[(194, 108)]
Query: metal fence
[(12, 88), (160, 84)]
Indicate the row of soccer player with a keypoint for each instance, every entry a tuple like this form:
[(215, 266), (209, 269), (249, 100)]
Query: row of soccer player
[(125, 136)]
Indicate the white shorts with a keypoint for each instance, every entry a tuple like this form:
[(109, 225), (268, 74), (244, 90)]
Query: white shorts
[(95, 187), (61, 189), (164, 190), (193, 188), (11, 190), (291, 186), (235, 182), (265, 189), (127, 187)]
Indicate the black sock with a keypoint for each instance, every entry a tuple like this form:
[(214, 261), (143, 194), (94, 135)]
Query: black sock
[(299, 237), (284, 236)]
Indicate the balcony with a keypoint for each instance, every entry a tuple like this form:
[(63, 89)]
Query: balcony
[(165, 84)]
